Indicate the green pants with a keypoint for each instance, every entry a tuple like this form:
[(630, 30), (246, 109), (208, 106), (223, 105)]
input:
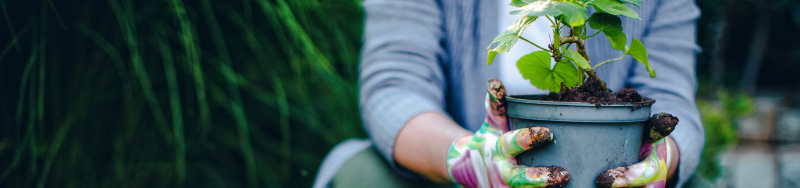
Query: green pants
[(369, 169)]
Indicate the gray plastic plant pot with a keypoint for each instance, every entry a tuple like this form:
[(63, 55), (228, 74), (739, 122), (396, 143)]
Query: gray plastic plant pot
[(587, 139)]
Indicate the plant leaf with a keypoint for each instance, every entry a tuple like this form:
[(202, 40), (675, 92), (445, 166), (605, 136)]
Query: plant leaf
[(609, 24), (489, 59), (575, 14), (617, 41), (579, 60), (536, 68), (509, 37), (634, 2), (639, 53), (612, 27), (615, 7)]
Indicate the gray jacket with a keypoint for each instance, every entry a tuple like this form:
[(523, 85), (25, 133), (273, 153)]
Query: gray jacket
[(425, 55)]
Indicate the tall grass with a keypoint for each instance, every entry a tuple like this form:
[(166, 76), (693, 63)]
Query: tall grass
[(177, 93)]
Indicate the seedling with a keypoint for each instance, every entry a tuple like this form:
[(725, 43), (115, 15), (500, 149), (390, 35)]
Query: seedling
[(572, 67)]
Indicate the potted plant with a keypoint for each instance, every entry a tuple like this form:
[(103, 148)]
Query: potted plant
[(594, 129)]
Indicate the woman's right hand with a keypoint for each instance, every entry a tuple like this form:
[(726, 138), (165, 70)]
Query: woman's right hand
[(486, 158)]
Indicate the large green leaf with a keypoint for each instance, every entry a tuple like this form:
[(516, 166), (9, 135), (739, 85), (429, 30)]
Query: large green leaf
[(609, 24), (639, 53), (509, 37), (575, 14), (579, 60), (536, 68), (615, 7), (617, 41), (634, 2)]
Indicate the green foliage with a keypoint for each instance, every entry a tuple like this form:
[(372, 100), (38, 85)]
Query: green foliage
[(121, 93), (718, 121), (609, 24), (615, 7), (509, 37), (618, 42), (520, 3), (639, 53), (635, 2), (536, 68), (571, 14), (579, 60)]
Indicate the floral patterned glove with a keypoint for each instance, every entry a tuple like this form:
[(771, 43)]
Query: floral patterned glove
[(654, 156), (486, 158)]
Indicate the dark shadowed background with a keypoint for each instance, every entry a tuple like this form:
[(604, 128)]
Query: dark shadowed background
[(254, 93)]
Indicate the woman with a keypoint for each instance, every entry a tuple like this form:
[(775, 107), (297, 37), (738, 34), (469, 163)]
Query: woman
[(422, 77)]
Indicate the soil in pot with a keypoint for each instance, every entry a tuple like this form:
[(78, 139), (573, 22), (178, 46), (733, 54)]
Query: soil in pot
[(592, 91)]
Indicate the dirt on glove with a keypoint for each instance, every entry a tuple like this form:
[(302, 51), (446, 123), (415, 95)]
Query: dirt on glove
[(659, 126)]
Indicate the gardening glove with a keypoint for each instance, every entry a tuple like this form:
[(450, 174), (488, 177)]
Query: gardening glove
[(655, 155), (486, 158)]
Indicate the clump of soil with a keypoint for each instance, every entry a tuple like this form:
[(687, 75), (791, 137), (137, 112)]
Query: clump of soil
[(659, 126), (592, 91)]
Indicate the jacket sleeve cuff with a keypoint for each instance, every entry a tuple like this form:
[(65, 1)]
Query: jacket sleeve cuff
[(386, 113)]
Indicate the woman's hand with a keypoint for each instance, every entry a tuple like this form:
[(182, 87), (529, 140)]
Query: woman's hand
[(486, 158), (658, 154)]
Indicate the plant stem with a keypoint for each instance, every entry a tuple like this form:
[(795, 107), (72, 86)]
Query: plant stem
[(556, 46), (592, 74), (610, 60), (526, 40), (598, 32), (579, 44)]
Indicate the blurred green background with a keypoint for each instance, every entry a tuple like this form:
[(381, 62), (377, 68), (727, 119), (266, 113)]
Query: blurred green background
[(254, 93), (203, 93)]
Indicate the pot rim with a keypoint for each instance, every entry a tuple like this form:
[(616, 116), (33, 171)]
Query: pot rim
[(515, 98)]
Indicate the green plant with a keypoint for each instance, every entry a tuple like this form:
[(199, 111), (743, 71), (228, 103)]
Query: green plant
[(572, 15), (718, 122)]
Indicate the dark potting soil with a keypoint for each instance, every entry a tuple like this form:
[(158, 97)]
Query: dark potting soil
[(591, 91)]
